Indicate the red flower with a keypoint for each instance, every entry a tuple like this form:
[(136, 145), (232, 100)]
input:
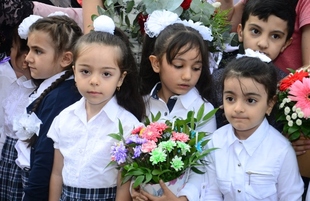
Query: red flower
[(141, 20), (80, 2), (186, 4), (290, 79)]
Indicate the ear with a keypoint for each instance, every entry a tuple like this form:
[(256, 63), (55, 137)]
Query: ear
[(121, 79), (271, 103), (67, 59), (240, 33), (287, 43), (25, 63), (155, 63)]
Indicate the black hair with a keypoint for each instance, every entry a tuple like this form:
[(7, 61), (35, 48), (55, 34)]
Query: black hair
[(128, 96), (64, 33), (249, 67), (170, 41), (284, 9)]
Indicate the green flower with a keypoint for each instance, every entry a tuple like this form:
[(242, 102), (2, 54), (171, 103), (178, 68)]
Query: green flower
[(158, 155), (177, 163), (167, 145), (184, 147)]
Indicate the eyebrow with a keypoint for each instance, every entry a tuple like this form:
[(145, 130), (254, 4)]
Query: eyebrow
[(104, 67), (244, 94)]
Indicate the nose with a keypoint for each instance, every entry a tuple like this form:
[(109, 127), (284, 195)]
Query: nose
[(186, 74), (239, 107), (263, 42), (94, 80), (28, 57)]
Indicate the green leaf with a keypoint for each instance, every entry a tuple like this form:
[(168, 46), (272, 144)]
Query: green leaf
[(200, 112), (120, 127), (138, 181), (130, 5), (196, 170), (115, 136)]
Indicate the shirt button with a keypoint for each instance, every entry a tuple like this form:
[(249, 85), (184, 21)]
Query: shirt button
[(239, 164), (239, 191), (166, 113)]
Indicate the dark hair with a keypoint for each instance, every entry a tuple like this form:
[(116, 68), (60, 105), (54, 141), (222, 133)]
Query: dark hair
[(170, 41), (128, 96), (21, 44), (64, 33), (249, 67), (284, 9)]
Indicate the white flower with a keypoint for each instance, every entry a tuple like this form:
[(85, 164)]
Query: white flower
[(104, 23), (288, 100), (298, 110), (288, 118), (216, 4), (290, 123), (287, 110), (294, 115), (300, 114), (26, 126), (255, 54), (298, 122), (204, 31), (294, 108), (158, 21), (23, 28), (58, 13), (282, 105)]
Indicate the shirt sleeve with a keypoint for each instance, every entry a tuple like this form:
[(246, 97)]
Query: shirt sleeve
[(53, 132), (44, 10), (290, 184), (192, 187)]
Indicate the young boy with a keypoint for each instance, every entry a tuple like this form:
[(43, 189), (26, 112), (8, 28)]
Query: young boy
[(266, 26)]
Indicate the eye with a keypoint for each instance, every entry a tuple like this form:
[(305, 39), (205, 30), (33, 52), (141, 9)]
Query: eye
[(198, 68), (251, 101), (106, 74), (38, 51), (85, 72), (178, 66), (255, 31), (229, 99), (276, 36)]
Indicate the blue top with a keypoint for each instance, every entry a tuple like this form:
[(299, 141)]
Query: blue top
[(42, 153)]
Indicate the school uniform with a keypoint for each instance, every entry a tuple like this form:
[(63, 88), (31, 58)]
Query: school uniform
[(13, 106), (179, 106), (86, 146), (42, 152), (262, 167)]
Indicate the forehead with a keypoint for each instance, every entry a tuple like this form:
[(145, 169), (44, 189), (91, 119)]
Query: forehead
[(242, 85), (39, 39), (271, 24)]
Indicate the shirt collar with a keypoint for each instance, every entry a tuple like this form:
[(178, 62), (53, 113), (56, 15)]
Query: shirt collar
[(252, 142), (185, 99), (23, 81), (47, 82)]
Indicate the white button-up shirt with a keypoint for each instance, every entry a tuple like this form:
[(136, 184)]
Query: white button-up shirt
[(86, 146), (262, 167), (184, 103)]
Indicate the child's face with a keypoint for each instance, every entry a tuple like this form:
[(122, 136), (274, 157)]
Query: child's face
[(245, 105), (18, 63), (41, 57), (97, 74), (268, 36), (181, 76)]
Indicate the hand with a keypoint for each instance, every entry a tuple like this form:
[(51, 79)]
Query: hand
[(301, 146), (167, 195), (137, 196)]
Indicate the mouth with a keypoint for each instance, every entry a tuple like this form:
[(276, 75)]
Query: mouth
[(184, 86), (93, 92)]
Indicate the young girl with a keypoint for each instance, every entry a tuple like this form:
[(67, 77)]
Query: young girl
[(175, 77), (106, 76), (253, 160), (12, 106), (50, 57)]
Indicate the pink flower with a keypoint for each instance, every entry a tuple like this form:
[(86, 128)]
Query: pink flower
[(148, 146), (160, 127), (300, 92), (179, 136), (151, 133), (137, 130)]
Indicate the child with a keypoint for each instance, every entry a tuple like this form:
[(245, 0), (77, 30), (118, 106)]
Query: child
[(266, 26), (175, 77), (253, 160), (51, 41), (106, 76), (13, 105)]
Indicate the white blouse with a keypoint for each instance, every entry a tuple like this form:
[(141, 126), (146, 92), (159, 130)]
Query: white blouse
[(262, 167), (85, 145)]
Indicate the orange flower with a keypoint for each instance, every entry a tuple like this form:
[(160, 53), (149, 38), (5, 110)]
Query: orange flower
[(290, 79)]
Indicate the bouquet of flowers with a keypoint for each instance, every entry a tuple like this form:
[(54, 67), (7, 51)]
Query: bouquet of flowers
[(294, 104), (130, 15), (161, 150)]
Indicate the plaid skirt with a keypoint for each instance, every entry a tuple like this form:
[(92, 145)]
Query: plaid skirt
[(82, 194), (11, 187)]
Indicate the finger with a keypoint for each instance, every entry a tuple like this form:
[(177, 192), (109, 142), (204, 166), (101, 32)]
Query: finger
[(147, 195), (298, 153)]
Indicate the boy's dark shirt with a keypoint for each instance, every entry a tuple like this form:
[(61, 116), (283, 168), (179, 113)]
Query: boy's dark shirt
[(217, 96)]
